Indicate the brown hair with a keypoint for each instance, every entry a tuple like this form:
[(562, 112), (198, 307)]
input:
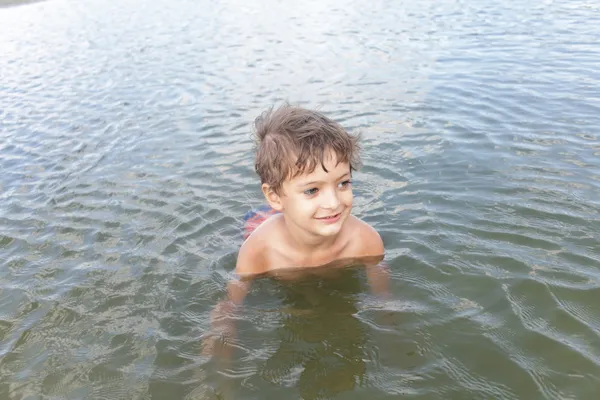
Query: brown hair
[(292, 140)]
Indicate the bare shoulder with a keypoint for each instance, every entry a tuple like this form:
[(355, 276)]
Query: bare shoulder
[(254, 255), (366, 238), (250, 259)]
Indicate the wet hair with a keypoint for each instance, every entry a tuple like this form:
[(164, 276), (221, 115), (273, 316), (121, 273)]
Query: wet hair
[(291, 141)]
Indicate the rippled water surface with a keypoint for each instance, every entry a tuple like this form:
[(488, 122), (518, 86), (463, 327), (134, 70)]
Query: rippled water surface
[(126, 168)]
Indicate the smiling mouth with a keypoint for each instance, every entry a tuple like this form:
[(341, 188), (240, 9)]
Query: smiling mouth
[(330, 217)]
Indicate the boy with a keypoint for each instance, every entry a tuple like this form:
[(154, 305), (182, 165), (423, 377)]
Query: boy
[(305, 163)]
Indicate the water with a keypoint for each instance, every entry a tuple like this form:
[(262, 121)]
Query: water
[(127, 167)]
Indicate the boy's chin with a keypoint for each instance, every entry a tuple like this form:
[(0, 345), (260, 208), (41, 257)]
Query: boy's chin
[(329, 233), (328, 230)]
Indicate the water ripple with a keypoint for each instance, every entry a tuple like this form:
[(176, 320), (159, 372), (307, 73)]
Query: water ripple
[(127, 167)]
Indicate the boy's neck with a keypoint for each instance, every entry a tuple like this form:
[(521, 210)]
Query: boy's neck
[(305, 242)]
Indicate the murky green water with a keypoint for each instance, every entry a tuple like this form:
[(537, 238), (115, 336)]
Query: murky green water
[(126, 169)]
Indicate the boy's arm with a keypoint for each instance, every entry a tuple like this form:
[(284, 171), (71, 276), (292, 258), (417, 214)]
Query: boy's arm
[(222, 317), (222, 329), (377, 270), (379, 278)]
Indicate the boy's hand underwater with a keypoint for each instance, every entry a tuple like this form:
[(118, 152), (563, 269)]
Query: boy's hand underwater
[(218, 341)]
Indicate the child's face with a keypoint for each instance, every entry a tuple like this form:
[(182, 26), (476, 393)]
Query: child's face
[(320, 202)]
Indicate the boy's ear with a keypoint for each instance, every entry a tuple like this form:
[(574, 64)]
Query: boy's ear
[(272, 198)]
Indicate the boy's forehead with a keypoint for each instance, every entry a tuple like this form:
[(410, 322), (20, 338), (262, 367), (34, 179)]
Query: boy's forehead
[(334, 171)]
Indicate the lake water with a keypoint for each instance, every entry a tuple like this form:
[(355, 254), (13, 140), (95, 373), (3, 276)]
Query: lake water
[(126, 168)]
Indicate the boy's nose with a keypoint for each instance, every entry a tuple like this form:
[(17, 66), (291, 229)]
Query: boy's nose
[(331, 200)]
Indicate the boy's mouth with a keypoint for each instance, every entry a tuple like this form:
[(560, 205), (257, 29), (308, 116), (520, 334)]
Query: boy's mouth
[(330, 218)]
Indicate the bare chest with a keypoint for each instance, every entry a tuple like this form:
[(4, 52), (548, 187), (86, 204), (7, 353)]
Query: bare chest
[(285, 259)]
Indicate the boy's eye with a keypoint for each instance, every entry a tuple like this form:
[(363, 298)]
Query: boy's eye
[(310, 192), (345, 184)]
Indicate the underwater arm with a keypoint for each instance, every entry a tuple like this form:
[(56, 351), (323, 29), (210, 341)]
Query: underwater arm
[(378, 276), (222, 319), (222, 330), (377, 269)]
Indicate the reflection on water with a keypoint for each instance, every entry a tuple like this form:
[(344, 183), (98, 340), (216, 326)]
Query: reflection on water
[(126, 169)]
